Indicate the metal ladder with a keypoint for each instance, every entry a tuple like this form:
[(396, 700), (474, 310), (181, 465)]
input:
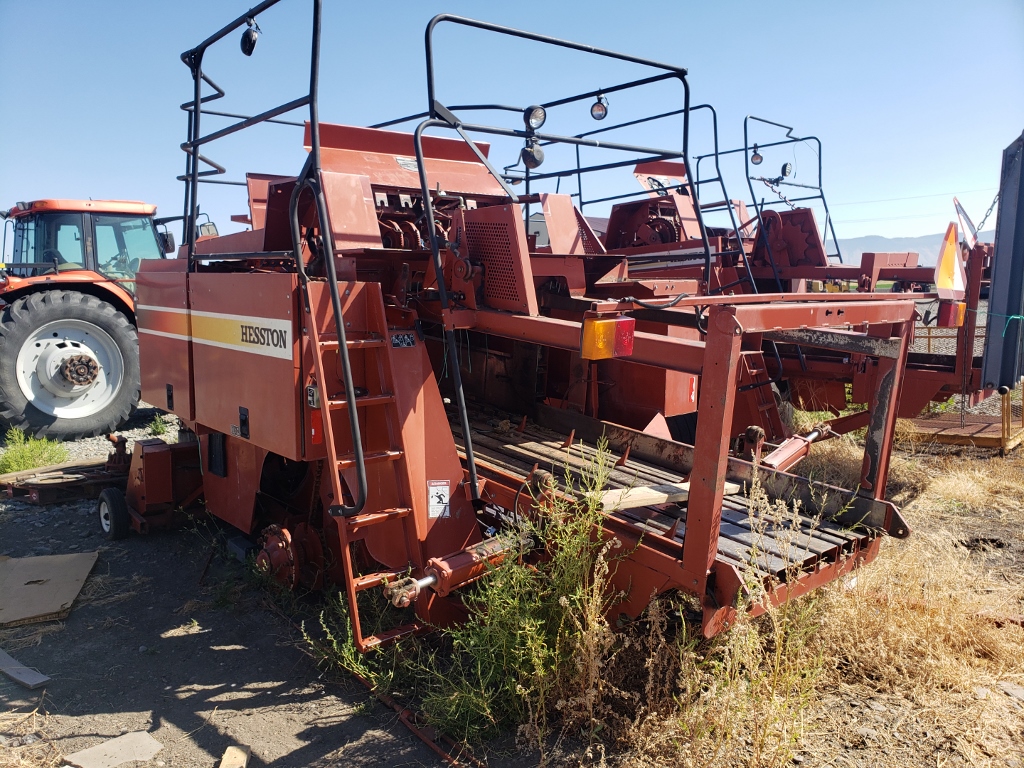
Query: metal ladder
[(351, 518)]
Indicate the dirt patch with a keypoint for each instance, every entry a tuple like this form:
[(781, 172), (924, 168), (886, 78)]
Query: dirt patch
[(199, 660)]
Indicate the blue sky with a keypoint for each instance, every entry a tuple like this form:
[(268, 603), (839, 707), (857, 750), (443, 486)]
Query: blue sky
[(913, 101)]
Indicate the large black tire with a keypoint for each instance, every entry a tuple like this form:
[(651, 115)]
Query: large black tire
[(112, 511), (25, 317)]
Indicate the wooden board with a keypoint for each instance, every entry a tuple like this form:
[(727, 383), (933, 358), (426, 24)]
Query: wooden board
[(21, 674), (34, 589), (70, 467), (650, 495), (235, 757)]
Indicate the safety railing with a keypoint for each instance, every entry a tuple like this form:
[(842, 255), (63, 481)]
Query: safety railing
[(308, 179)]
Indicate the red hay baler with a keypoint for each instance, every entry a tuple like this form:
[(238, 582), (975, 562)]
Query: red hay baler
[(383, 374)]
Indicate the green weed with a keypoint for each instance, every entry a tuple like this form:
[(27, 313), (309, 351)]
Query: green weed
[(538, 656), (158, 426), (25, 452)]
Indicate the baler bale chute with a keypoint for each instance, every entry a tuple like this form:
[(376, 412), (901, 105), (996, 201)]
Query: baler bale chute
[(339, 368)]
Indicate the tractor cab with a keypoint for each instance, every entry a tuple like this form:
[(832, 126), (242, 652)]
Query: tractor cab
[(67, 314), (109, 237)]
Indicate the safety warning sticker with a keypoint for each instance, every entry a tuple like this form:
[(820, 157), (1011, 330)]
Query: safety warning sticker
[(438, 493)]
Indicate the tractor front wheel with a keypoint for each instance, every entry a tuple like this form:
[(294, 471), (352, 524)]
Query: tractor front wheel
[(69, 365)]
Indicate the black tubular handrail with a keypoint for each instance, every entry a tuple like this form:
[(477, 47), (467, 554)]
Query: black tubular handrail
[(193, 59), (451, 346), (789, 139), (439, 116), (308, 179)]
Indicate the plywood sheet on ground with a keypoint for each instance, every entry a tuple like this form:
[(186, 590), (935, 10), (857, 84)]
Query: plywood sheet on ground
[(41, 588)]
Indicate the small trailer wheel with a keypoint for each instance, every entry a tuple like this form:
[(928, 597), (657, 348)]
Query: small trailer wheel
[(112, 508)]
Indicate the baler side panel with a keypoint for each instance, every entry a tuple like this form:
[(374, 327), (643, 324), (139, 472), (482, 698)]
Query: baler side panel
[(165, 353), (246, 356)]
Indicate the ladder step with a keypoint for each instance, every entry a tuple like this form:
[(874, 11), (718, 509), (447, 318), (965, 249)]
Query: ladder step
[(348, 459), (365, 400), (356, 522), (390, 635), (371, 580), (352, 343)]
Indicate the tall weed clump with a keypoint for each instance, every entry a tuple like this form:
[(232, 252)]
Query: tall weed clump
[(26, 452), (740, 698), (533, 648)]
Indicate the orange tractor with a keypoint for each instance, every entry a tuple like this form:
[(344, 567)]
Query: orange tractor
[(67, 335)]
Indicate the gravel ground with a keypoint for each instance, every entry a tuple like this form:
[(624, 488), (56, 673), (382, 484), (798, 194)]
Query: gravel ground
[(138, 427), (942, 341)]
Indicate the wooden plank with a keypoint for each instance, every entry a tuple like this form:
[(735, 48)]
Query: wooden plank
[(813, 544), (827, 527), (27, 474), (764, 548), (648, 518), (236, 757), (21, 674), (650, 495)]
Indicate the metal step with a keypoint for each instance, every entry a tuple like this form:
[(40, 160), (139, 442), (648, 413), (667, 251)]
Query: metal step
[(365, 400), (382, 638), (347, 460), (352, 343), (356, 522)]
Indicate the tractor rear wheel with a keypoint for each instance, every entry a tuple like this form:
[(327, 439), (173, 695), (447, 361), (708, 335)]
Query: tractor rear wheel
[(69, 365)]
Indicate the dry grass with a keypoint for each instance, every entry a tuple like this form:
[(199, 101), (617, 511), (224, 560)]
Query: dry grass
[(28, 745), (838, 462), (16, 638), (103, 589), (914, 621), (916, 635)]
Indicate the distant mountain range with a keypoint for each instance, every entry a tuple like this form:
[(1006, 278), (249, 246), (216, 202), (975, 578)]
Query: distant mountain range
[(926, 245)]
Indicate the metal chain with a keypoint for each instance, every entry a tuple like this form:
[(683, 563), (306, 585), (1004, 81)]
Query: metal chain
[(774, 188), (988, 213), (996, 198)]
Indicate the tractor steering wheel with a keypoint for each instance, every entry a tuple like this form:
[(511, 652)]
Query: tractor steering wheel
[(120, 264)]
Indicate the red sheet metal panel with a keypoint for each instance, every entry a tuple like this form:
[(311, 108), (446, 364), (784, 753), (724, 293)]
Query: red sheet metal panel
[(496, 237), (165, 351), (388, 158), (351, 210), (568, 232), (246, 356)]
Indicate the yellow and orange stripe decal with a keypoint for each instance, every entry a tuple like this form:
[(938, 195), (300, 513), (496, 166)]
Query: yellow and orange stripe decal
[(269, 337)]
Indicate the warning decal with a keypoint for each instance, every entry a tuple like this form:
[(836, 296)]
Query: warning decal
[(438, 493)]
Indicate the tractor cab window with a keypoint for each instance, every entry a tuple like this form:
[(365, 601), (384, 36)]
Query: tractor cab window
[(24, 240), (122, 242), (50, 238)]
